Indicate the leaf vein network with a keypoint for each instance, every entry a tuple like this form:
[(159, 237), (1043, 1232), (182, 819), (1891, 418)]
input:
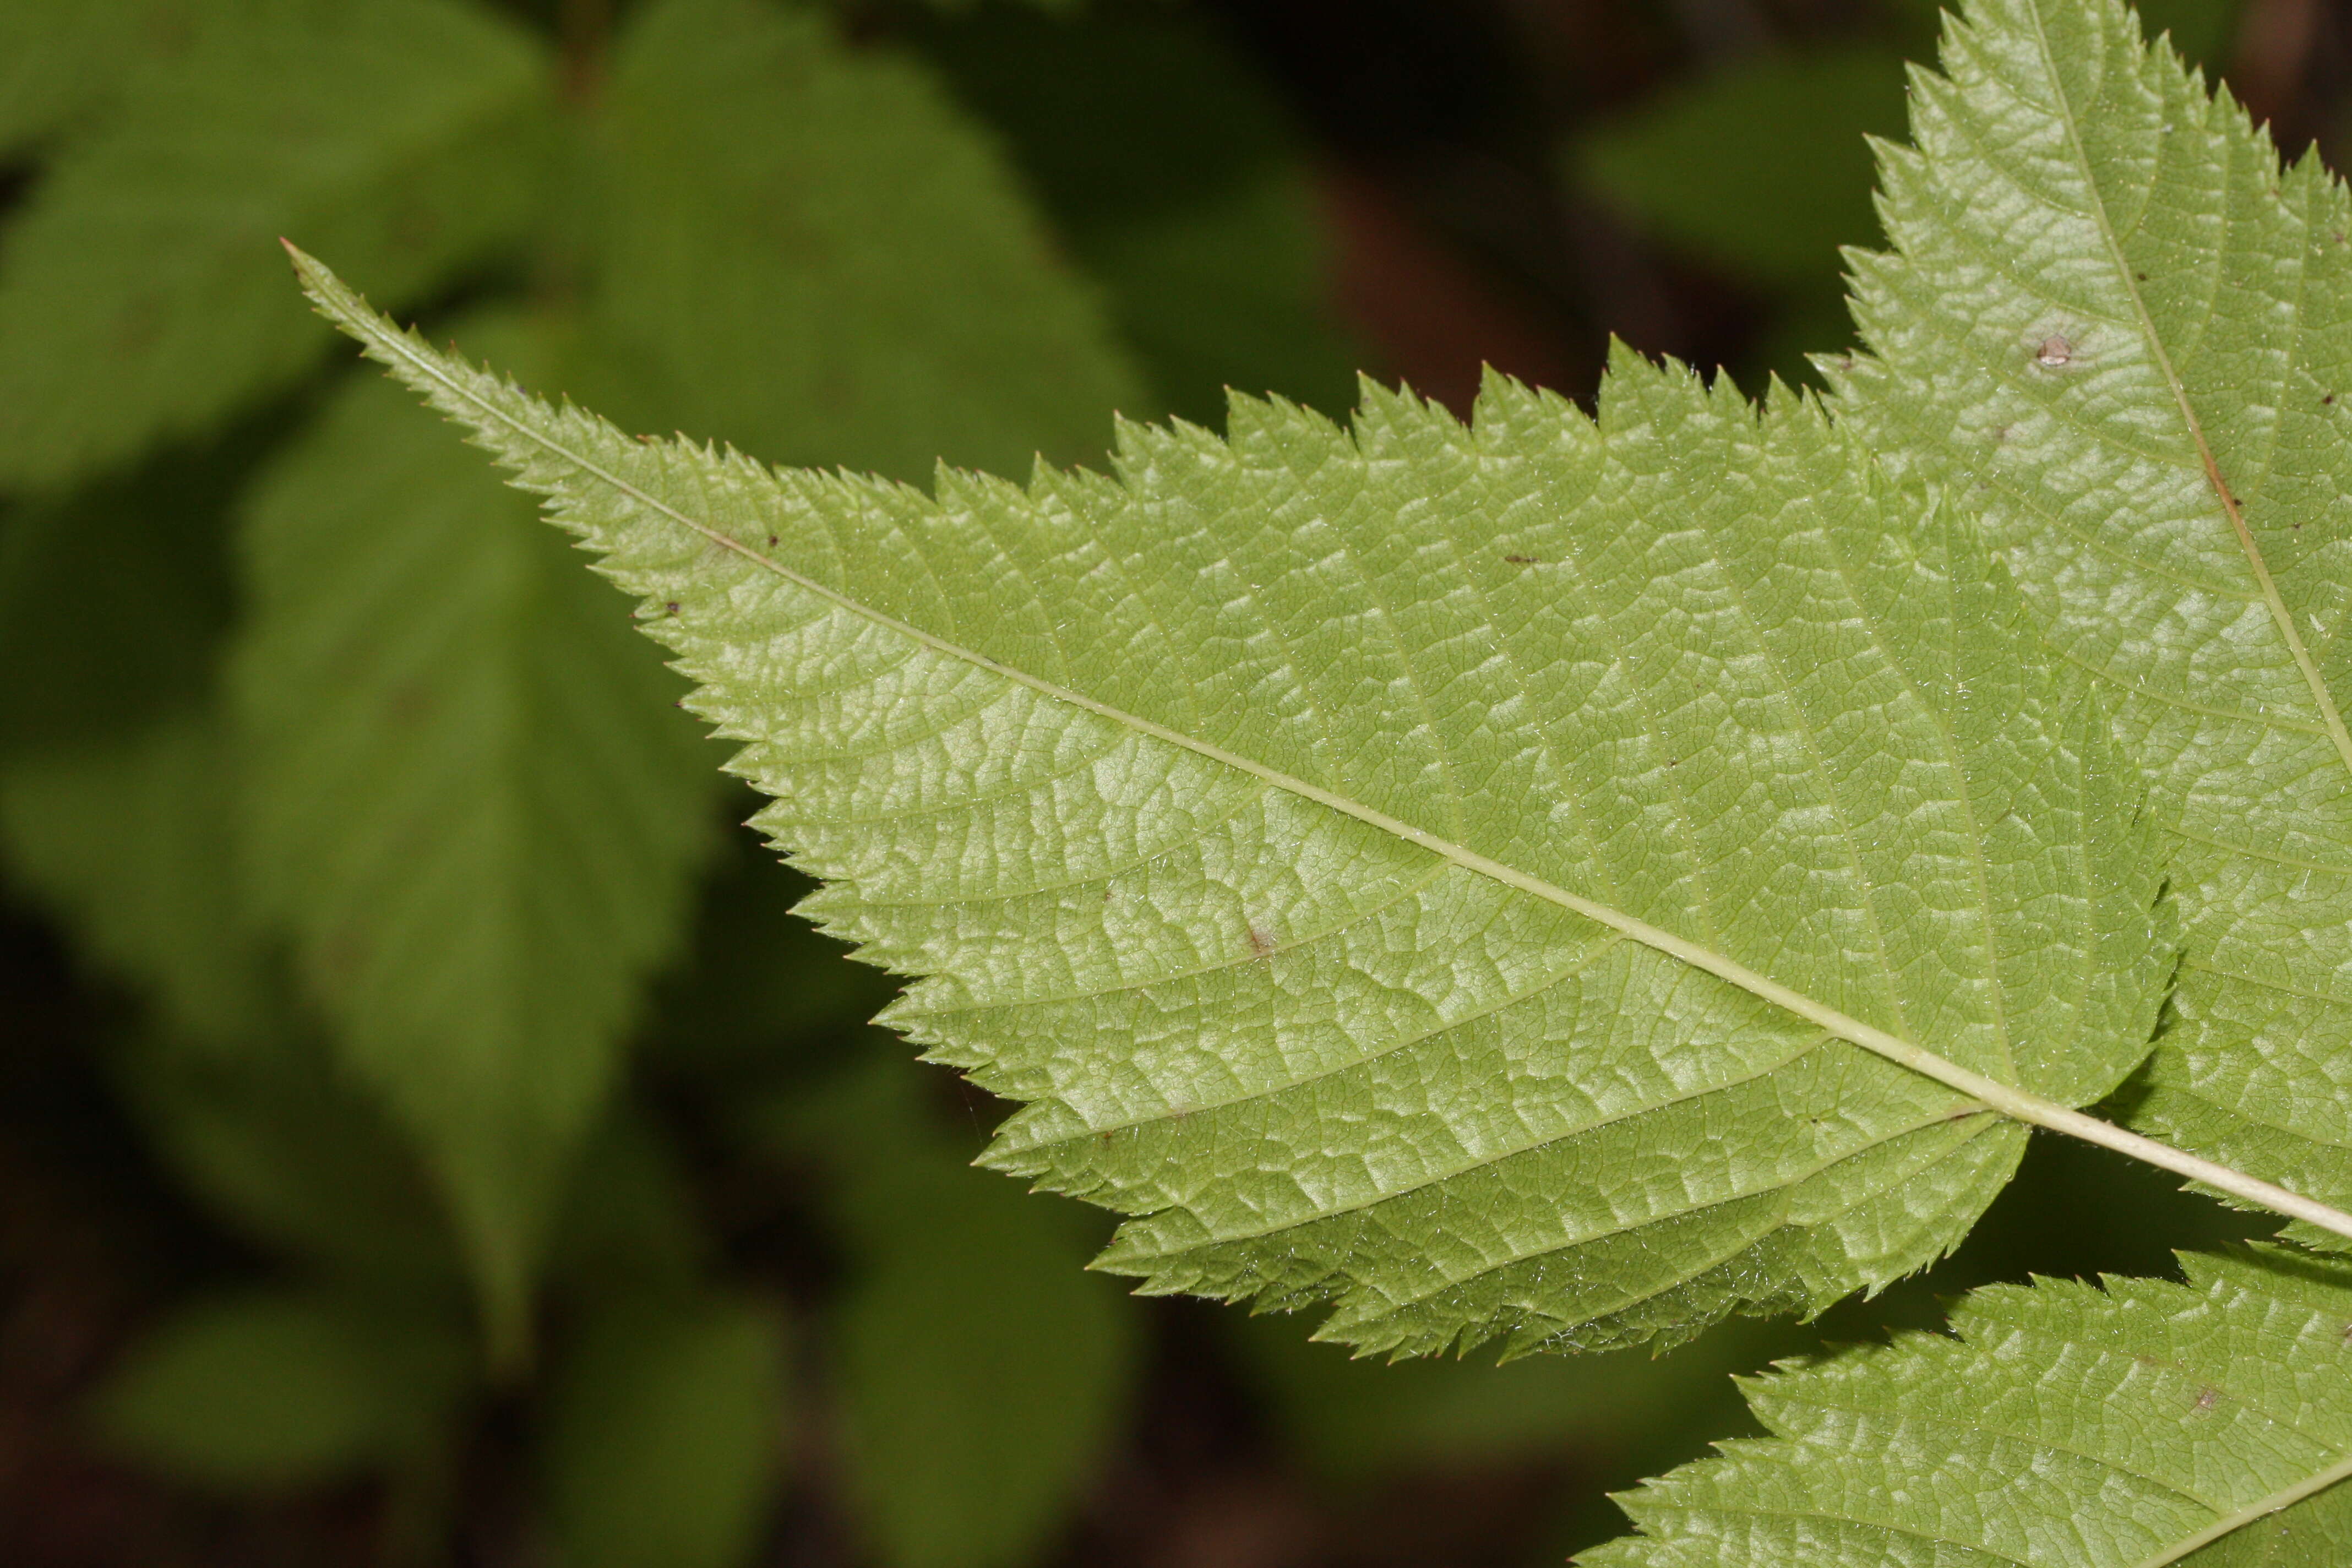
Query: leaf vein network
[(1240, 960), (1403, 1043), (2002, 1433), (1782, 1187)]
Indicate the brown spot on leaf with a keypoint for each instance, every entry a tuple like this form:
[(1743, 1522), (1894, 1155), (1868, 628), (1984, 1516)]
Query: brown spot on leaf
[(670, 608), (2208, 1397), (1261, 941), (2054, 351), (1523, 560)]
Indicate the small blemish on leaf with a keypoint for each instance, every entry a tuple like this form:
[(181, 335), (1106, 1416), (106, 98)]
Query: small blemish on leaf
[(1523, 560), (772, 542), (2054, 351), (2208, 1397), (670, 608), (1261, 941), (2327, 400)]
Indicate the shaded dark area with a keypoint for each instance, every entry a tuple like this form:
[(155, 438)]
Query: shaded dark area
[(1432, 185)]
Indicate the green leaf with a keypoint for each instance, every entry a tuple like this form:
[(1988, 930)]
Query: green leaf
[(2116, 323), (979, 1371), (663, 1434), (1443, 871), (2152, 1423), (807, 251), (1761, 167), (469, 800), (278, 1389), (138, 295)]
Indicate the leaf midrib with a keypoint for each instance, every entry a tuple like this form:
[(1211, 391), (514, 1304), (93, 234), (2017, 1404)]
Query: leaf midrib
[(2280, 617), (2311, 1486), (395, 347), (1828, 1019)]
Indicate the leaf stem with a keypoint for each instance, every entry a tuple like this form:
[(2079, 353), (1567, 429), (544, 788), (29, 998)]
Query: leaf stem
[(410, 360), (2310, 1486)]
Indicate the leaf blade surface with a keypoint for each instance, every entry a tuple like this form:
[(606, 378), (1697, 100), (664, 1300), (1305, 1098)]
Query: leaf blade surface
[(1271, 921)]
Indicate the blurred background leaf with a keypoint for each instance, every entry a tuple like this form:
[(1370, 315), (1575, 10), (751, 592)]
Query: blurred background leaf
[(979, 1369), (137, 294), (128, 840), (273, 1390), (663, 1431), (804, 250), (61, 65), (1187, 194), (479, 823), (1760, 166)]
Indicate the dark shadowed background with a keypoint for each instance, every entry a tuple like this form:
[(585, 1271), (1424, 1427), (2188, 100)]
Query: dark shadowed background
[(426, 1135)]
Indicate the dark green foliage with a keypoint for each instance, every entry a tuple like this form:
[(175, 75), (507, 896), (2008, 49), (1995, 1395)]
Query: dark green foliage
[(281, 1389), (1187, 196), (439, 978), (1762, 168), (477, 822), (137, 295), (791, 239), (324, 754), (981, 1370), (662, 1431)]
